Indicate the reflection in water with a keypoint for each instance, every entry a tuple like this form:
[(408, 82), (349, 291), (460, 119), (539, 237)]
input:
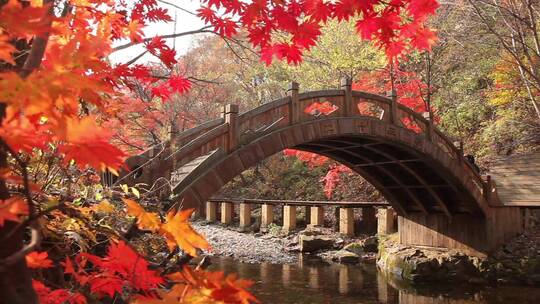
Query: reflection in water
[(313, 277), (343, 279), (311, 281)]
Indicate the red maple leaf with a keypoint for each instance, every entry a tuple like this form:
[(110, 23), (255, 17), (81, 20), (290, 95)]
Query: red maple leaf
[(424, 39), (179, 84), (38, 260), (306, 35), (420, 9)]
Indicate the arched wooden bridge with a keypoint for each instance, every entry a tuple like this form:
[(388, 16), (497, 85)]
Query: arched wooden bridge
[(420, 172)]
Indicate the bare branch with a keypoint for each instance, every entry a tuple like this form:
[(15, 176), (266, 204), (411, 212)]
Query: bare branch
[(204, 29)]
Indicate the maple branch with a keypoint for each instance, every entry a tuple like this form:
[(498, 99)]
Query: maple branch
[(203, 29), (177, 7), (39, 44), (31, 219), (35, 240), (132, 61), (24, 171)]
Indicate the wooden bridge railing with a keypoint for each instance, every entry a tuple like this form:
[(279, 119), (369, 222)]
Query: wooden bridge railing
[(234, 129)]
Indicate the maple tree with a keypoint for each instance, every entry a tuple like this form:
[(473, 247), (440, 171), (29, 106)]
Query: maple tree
[(61, 101)]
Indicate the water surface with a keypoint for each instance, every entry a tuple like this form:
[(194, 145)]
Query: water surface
[(311, 281)]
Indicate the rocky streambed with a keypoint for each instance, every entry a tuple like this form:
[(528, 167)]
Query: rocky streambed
[(276, 247), (516, 263)]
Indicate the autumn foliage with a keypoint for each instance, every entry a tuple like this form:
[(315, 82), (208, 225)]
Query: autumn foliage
[(62, 101)]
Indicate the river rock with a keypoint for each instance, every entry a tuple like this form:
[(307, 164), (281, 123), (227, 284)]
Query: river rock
[(340, 256), (361, 247), (312, 243)]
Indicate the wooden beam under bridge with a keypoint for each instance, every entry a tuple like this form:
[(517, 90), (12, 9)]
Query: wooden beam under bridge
[(298, 202)]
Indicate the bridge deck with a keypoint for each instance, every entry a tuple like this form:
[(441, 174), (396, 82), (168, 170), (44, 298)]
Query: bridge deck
[(518, 180)]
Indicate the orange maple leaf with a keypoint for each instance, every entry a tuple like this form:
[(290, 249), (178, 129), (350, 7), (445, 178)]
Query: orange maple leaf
[(201, 286), (25, 21), (6, 49), (178, 232), (12, 208), (88, 144), (145, 220), (37, 260), (22, 134)]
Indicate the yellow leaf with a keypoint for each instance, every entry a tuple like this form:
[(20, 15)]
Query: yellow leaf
[(178, 232), (135, 192), (145, 220), (104, 206), (36, 3), (125, 188)]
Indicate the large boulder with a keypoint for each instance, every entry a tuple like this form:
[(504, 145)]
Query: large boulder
[(312, 243)]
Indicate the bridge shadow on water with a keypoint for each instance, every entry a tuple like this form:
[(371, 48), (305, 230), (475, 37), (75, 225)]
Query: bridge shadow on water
[(311, 281)]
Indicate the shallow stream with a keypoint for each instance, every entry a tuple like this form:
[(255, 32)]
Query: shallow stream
[(311, 281)]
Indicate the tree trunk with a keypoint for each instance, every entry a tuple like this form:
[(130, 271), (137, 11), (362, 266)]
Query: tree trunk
[(15, 279)]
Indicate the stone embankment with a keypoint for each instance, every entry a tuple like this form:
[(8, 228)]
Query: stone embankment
[(517, 262)]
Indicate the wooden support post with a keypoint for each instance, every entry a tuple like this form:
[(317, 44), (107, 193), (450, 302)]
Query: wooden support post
[(307, 215), (317, 216), (267, 215), (336, 217), (488, 187), (346, 221), (226, 213), (245, 215), (346, 86), (369, 220), (385, 221), (429, 127), (294, 107), (231, 117), (211, 211), (289, 218), (394, 109)]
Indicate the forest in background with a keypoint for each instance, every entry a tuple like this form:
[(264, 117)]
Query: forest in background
[(475, 79)]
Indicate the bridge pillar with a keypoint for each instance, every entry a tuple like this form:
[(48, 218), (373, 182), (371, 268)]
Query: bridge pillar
[(289, 218), (226, 213), (385, 221), (267, 215), (211, 211), (317, 216), (245, 215), (346, 221), (369, 220)]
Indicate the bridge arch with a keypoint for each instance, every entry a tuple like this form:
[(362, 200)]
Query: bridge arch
[(412, 174)]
